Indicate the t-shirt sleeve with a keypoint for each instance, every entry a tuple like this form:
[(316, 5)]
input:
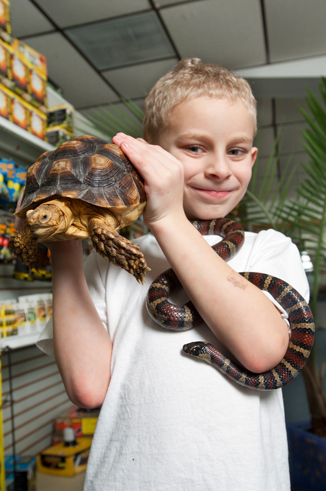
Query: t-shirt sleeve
[(275, 254), (97, 290)]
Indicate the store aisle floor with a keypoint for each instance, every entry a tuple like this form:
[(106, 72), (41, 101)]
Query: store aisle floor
[(46, 482)]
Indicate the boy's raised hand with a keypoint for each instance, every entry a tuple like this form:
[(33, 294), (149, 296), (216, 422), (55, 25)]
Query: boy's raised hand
[(163, 175)]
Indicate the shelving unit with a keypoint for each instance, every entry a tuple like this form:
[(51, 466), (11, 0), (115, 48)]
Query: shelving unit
[(17, 143), (24, 148)]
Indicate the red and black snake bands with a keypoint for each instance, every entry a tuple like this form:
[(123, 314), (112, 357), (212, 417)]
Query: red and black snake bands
[(182, 318)]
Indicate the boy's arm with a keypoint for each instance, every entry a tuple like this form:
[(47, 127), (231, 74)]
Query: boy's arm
[(236, 311), (82, 346)]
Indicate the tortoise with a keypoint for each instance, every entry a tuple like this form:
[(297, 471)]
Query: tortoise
[(84, 188)]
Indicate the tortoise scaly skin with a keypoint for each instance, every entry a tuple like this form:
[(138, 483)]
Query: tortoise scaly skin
[(85, 188), (181, 318)]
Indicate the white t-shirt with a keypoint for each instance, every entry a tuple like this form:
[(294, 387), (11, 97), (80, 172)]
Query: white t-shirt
[(170, 422)]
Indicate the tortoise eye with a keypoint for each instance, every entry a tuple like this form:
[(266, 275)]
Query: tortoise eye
[(44, 218)]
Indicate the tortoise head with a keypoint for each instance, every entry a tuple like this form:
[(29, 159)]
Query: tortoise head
[(46, 220)]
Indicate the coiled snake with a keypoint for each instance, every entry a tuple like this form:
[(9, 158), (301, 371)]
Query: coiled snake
[(181, 318)]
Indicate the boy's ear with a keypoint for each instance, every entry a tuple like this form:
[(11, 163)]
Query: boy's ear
[(254, 152)]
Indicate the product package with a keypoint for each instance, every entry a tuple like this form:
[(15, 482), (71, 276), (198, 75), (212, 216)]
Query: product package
[(63, 459), (25, 471), (5, 24), (23, 71), (57, 135)]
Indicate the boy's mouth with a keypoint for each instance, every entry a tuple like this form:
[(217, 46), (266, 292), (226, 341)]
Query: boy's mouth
[(211, 192)]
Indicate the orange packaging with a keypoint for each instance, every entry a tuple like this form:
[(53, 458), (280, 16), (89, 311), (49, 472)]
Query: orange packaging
[(6, 98)]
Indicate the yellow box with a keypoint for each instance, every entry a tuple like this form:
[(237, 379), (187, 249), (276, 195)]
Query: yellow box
[(65, 461), (28, 117), (6, 97), (61, 116), (57, 135), (5, 24), (27, 79)]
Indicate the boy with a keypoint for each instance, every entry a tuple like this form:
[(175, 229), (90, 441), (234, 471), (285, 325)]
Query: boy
[(167, 421)]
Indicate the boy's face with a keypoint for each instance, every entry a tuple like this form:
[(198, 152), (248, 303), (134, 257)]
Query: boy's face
[(213, 139)]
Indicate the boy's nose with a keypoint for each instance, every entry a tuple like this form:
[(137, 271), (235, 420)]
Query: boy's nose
[(219, 168)]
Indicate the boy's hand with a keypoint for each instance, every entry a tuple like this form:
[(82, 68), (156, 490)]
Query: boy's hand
[(163, 176)]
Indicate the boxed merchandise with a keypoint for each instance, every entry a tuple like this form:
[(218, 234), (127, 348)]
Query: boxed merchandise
[(6, 97), (65, 459), (61, 116), (57, 135), (24, 477), (82, 421), (23, 71), (37, 73), (29, 118), (5, 24)]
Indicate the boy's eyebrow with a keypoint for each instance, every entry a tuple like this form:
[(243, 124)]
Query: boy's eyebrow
[(239, 139)]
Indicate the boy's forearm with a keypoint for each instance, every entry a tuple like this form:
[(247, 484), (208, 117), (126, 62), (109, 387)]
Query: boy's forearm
[(237, 312), (82, 346)]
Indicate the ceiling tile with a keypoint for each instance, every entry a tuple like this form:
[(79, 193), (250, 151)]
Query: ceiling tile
[(296, 28), (136, 81), (123, 41), (74, 12), (26, 19), (81, 85), (227, 32)]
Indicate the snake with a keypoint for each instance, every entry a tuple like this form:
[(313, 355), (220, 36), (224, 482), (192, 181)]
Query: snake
[(184, 317)]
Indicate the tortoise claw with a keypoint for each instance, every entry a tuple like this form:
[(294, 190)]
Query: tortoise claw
[(118, 250)]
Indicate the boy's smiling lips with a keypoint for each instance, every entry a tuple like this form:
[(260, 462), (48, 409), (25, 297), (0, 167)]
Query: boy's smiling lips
[(221, 193)]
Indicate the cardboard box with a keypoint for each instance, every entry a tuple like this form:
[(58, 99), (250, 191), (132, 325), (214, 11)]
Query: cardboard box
[(24, 479), (6, 98), (23, 71), (61, 116), (28, 117), (57, 135), (5, 24), (61, 460)]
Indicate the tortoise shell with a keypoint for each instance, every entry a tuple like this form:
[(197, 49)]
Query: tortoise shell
[(84, 168)]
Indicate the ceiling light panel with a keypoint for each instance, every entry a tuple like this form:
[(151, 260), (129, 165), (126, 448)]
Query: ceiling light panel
[(123, 41)]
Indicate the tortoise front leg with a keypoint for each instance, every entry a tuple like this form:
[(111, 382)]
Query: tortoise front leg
[(117, 249), (24, 245)]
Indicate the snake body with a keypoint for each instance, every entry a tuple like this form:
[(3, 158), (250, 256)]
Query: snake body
[(181, 318)]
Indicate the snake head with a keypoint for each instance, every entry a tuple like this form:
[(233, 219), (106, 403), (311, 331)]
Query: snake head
[(197, 348)]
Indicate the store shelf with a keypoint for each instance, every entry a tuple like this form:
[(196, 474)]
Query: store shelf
[(15, 342), (19, 144)]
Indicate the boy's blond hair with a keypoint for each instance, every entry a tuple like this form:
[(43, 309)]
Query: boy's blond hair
[(189, 79)]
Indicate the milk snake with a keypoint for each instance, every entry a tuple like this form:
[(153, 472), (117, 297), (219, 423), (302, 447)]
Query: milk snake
[(182, 318)]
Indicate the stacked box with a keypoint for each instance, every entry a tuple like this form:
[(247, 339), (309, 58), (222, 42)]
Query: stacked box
[(36, 68), (24, 477), (60, 124), (28, 117), (5, 24), (23, 71)]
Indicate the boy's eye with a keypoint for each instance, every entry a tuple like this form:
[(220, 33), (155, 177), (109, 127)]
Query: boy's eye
[(194, 148), (235, 152)]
